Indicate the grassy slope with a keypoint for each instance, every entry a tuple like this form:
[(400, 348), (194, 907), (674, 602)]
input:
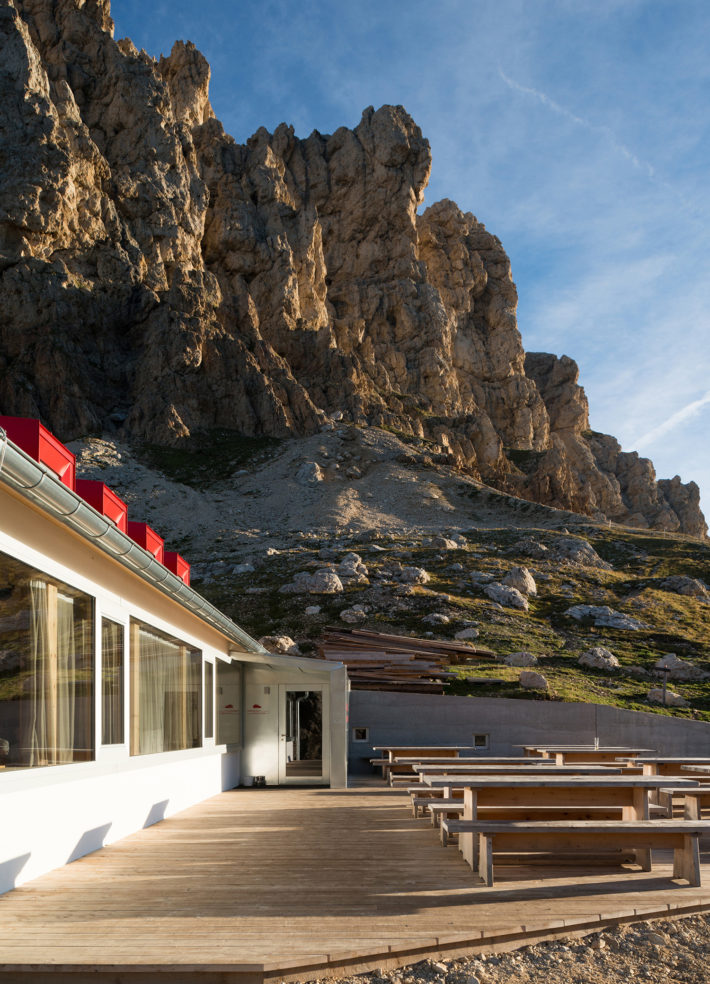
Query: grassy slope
[(640, 561)]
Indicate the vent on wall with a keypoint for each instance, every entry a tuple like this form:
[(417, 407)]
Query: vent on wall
[(104, 500), (147, 538), (36, 441)]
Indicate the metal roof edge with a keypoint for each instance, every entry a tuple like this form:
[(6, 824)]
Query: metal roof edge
[(41, 486)]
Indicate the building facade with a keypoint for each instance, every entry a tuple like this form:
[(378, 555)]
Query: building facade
[(124, 695)]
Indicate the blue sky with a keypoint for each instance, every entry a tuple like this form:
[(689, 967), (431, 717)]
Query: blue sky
[(576, 130)]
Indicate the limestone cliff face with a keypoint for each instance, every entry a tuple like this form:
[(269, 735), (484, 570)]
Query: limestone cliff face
[(159, 279)]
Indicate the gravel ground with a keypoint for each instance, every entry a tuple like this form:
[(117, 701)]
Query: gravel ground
[(663, 951)]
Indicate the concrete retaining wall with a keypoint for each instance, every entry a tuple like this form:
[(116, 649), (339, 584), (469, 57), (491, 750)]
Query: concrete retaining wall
[(410, 718)]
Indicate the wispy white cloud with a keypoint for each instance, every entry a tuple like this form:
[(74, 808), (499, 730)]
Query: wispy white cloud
[(681, 416), (601, 129)]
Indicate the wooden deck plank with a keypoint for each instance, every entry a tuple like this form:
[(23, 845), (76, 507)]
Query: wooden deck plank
[(300, 881)]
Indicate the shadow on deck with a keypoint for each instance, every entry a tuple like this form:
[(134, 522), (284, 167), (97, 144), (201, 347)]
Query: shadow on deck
[(278, 884)]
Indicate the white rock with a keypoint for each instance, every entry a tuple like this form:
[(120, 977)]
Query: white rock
[(504, 595), (353, 615), (413, 575), (444, 543), (578, 552), (242, 569), (309, 473), (691, 586), (599, 658), (467, 634), (531, 680), (322, 582), (520, 659), (605, 617), (655, 696), (280, 644), (680, 669), (522, 579), (436, 618), (312, 610)]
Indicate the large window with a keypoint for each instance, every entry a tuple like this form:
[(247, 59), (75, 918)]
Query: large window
[(166, 692), (111, 682), (46, 669)]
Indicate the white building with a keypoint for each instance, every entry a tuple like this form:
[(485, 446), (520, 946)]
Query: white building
[(124, 695)]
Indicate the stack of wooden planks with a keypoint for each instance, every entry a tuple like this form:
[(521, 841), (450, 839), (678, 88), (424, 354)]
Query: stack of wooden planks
[(382, 661)]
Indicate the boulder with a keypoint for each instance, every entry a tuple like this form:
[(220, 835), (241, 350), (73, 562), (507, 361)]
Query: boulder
[(528, 547), (353, 615), (680, 669), (436, 618), (465, 634), (506, 596), (280, 644), (599, 658), (242, 568), (655, 696), (413, 575), (321, 582), (309, 473), (578, 552), (444, 543), (531, 680), (312, 610), (520, 659), (522, 579), (605, 617), (690, 586)]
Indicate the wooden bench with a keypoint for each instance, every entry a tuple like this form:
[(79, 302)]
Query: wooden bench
[(694, 800), (442, 809), (593, 836), (527, 814)]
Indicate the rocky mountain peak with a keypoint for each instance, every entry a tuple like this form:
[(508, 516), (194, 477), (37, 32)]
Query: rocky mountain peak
[(159, 279)]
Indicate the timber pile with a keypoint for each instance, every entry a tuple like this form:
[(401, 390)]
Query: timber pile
[(381, 661)]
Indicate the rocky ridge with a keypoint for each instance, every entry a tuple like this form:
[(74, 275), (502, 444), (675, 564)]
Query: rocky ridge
[(159, 280)]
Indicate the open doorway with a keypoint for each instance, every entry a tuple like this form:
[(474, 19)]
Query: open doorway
[(302, 739)]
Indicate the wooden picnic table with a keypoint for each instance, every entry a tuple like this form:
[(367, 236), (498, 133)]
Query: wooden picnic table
[(451, 759), (392, 752), (631, 793), (667, 765), (694, 800), (433, 751), (517, 768), (564, 754)]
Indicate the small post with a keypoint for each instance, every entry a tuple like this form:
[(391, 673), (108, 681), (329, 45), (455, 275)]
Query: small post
[(666, 671)]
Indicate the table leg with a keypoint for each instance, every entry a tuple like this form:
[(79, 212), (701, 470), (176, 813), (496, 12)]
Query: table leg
[(466, 840)]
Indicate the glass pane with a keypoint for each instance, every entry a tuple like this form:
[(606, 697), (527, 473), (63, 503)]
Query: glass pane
[(166, 692), (209, 700), (46, 669), (112, 647), (229, 703), (304, 733)]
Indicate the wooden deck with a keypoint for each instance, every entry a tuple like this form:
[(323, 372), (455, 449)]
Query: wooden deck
[(277, 884)]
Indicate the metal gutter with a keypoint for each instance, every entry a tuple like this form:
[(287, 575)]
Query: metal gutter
[(40, 485), (305, 664)]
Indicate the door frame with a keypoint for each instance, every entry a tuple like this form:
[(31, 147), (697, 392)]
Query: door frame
[(324, 778)]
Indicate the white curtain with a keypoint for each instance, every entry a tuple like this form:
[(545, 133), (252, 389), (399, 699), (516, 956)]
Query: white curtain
[(48, 732), (111, 682), (66, 680), (159, 674), (35, 725)]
